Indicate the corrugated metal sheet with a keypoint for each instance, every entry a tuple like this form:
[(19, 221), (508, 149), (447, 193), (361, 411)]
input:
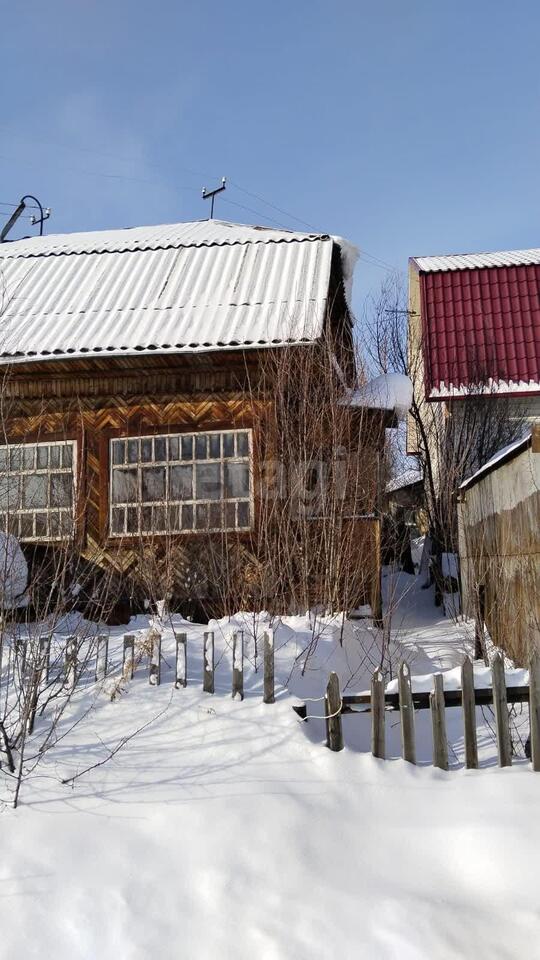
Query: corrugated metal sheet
[(472, 261), (179, 287), (482, 326)]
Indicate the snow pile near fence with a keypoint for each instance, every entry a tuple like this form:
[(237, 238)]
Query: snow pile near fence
[(228, 830)]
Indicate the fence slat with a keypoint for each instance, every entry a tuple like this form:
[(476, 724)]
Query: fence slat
[(128, 657), (534, 708), (208, 653), (378, 732), (238, 665), (406, 709), (45, 658), (102, 656), (181, 660), (332, 707), (438, 724), (268, 665), (70, 662), (154, 676), (504, 744), (469, 714)]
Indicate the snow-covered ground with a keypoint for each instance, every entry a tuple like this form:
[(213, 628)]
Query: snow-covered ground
[(227, 828)]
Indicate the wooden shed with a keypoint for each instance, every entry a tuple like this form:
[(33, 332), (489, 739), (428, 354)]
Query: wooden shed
[(499, 546)]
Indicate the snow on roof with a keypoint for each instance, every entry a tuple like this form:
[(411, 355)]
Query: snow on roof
[(507, 453), (172, 288), (473, 261), (405, 479), (390, 391)]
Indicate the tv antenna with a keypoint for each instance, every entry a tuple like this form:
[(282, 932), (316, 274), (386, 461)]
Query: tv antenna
[(210, 194)]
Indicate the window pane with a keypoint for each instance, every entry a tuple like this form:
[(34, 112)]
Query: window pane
[(146, 520), (28, 457), (187, 448), (181, 482), (215, 446), (60, 489), (187, 517), (153, 483), (208, 481), (15, 458), (230, 516), (160, 448), (42, 457), (174, 448), (54, 456), (67, 455), (201, 516), (173, 518), (118, 451), (124, 486), (34, 490), (132, 520), (146, 450), (3, 458), (9, 492), (242, 444), (160, 519), (243, 514), (215, 516), (26, 525), (118, 520), (41, 524), (236, 480), (133, 451), (228, 444), (200, 448)]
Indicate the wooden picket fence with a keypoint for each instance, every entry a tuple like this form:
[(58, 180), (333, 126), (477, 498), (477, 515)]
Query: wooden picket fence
[(155, 660), (378, 703)]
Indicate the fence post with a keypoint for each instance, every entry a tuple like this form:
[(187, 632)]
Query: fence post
[(71, 662), (238, 665), (332, 709), (128, 657), (378, 738), (438, 723), (406, 711), (208, 653), (45, 658), (154, 677), (469, 714), (102, 656), (534, 708), (268, 664), (504, 744), (181, 660)]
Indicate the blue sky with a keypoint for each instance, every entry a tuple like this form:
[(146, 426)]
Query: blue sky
[(410, 128)]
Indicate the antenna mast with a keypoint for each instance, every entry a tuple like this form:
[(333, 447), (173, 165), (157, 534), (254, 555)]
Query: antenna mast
[(210, 194)]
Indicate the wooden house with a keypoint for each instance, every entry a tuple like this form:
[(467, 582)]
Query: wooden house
[(131, 370)]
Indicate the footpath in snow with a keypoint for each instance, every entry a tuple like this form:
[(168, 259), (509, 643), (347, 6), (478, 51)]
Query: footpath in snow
[(227, 829)]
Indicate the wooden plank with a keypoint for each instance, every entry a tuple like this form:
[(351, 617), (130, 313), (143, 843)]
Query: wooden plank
[(181, 660), (504, 744), (332, 706), (154, 677), (102, 656), (208, 671), (268, 664), (534, 708), (378, 732), (438, 724), (469, 714), (406, 709), (128, 657), (45, 658), (238, 665), (452, 698), (71, 663)]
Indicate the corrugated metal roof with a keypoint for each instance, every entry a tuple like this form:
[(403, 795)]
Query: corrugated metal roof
[(472, 261), (172, 288)]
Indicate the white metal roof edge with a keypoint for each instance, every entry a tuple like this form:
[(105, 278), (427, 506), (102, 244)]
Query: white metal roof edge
[(475, 261), (498, 460)]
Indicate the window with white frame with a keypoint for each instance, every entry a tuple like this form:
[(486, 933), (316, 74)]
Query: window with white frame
[(181, 483), (37, 490)]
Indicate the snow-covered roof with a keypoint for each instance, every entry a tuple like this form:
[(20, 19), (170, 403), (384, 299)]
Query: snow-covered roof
[(172, 288), (507, 453), (474, 261), (405, 479), (390, 391)]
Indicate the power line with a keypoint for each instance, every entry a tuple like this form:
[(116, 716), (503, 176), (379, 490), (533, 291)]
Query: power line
[(256, 212), (273, 205)]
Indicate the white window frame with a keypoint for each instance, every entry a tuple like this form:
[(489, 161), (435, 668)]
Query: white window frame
[(193, 502), (48, 511)]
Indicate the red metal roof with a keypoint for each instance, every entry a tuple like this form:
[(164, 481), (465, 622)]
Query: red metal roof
[(482, 326)]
